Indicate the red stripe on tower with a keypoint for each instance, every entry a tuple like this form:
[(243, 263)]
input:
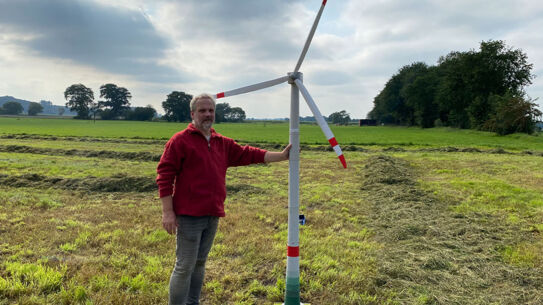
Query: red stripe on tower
[(219, 95), (324, 2), (332, 142), (293, 251)]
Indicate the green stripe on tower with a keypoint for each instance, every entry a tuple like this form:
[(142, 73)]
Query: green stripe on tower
[(292, 301), (292, 291)]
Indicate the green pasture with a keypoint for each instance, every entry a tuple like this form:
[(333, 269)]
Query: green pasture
[(411, 227), (266, 132), (71, 166)]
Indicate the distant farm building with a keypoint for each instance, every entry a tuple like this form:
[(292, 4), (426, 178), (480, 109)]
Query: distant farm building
[(365, 122)]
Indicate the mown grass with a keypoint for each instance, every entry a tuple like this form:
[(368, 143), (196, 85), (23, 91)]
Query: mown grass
[(261, 132), (508, 186), (110, 248), (72, 167), (428, 228)]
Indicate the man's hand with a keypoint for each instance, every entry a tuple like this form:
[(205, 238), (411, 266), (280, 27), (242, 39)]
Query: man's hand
[(286, 152), (169, 222), (169, 219), (271, 156)]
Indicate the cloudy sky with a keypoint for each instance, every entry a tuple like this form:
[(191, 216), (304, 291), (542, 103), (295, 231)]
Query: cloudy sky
[(155, 47)]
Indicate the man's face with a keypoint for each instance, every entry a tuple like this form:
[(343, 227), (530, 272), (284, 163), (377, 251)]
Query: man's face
[(204, 115)]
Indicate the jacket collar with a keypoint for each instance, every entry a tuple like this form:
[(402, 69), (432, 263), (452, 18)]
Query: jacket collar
[(193, 129)]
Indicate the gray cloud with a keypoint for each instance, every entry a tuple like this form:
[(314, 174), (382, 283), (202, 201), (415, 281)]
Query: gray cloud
[(264, 30), (111, 39), (328, 77)]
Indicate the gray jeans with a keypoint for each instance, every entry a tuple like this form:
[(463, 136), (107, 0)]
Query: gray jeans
[(194, 240)]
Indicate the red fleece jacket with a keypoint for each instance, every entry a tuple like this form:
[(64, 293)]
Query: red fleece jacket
[(194, 171)]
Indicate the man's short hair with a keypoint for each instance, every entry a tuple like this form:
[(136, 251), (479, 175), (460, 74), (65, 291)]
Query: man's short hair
[(201, 96)]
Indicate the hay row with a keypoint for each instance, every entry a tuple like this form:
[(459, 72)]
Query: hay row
[(83, 139), (454, 258), (121, 155), (117, 183), (147, 156)]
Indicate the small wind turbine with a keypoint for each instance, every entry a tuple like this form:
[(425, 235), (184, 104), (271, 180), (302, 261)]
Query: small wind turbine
[(292, 291)]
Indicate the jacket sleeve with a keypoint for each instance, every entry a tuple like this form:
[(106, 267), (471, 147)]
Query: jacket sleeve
[(169, 167), (244, 155)]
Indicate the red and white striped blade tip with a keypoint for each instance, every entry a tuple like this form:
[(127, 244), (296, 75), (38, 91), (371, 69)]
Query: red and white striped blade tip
[(335, 145), (343, 162)]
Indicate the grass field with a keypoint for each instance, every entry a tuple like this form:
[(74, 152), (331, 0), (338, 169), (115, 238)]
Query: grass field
[(276, 133), (80, 221)]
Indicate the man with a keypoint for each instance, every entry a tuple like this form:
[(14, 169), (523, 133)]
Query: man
[(191, 181)]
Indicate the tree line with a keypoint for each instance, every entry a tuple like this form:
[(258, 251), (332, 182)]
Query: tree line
[(478, 89), (116, 105), (15, 108)]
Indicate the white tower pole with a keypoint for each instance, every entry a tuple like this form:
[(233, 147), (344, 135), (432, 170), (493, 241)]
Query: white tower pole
[(292, 289)]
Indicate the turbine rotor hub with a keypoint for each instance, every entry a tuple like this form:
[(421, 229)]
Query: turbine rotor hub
[(294, 76)]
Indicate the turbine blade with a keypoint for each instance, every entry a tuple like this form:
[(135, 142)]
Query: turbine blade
[(322, 123), (251, 88), (310, 37)]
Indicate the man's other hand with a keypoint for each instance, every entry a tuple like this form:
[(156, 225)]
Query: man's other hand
[(271, 156), (286, 152)]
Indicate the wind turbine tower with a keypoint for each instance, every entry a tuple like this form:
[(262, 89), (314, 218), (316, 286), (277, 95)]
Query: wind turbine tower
[(295, 79)]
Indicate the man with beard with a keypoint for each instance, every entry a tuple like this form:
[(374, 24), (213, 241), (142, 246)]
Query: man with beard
[(191, 182)]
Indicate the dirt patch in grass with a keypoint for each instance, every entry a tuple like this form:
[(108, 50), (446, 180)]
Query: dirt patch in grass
[(432, 255)]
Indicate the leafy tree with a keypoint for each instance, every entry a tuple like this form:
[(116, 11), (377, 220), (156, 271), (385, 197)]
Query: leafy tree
[(457, 92), (106, 114), (452, 96), (34, 108), (177, 107), (420, 96), (225, 113), (236, 114), (94, 109), (117, 100), (221, 110), (141, 113), (513, 114), (386, 102), (340, 117), (390, 105), (12, 108), (470, 78), (79, 99)]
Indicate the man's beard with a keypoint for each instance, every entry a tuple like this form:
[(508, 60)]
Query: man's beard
[(207, 124)]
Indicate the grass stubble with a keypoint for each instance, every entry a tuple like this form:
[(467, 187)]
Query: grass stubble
[(396, 227)]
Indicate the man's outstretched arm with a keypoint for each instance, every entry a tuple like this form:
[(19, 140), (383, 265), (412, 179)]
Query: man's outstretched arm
[(272, 156)]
